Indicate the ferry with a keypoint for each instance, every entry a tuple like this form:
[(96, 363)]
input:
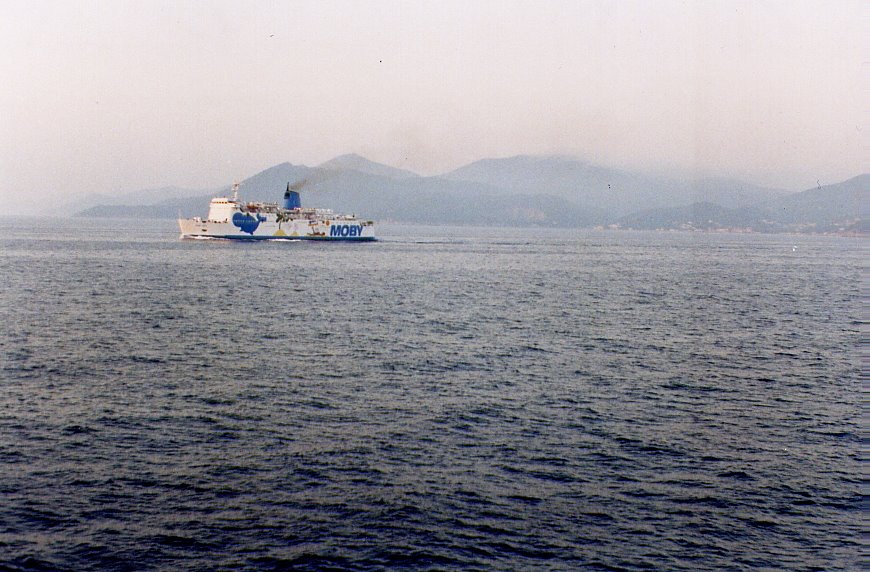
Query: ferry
[(230, 218)]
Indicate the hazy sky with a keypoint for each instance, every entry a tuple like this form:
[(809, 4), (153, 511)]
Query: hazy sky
[(115, 96)]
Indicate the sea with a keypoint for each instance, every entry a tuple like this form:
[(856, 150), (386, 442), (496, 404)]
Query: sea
[(447, 398)]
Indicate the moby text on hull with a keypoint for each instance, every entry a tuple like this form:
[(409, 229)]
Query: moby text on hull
[(229, 218)]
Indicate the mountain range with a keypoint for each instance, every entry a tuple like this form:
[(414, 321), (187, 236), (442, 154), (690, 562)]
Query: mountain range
[(523, 191)]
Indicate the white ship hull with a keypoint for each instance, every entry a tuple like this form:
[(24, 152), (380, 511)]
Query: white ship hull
[(347, 230), (230, 218)]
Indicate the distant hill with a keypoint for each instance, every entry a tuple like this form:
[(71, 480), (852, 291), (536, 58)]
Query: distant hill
[(409, 199), (614, 191), (415, 199), (525, 190), (133, 198), (132, 211), (840, 203), (269, 184), (354, 162), (697, 216), (730, 193), (584, 184), (833, 208)]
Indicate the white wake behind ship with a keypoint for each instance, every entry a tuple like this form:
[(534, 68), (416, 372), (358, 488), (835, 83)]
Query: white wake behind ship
[(233, 219)]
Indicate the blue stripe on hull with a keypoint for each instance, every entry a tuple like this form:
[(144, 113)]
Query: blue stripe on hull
[(339, 238), (251, 237)]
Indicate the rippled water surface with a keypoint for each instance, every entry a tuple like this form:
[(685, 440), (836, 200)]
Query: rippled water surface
[(446, 398)]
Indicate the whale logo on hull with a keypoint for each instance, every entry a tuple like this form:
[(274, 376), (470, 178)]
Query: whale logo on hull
[(248, 222)]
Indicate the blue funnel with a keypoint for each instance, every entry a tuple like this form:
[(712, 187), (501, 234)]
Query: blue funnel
[(292, 199)]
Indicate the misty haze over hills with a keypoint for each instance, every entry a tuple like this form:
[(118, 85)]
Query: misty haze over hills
[(521, 191)]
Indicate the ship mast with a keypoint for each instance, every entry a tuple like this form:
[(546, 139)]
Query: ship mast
[(235, 192)]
